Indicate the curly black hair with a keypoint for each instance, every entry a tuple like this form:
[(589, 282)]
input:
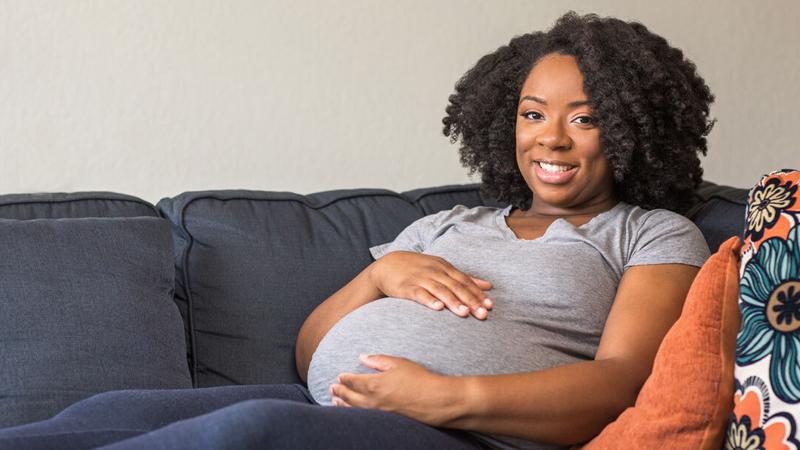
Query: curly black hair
[(651, 106)]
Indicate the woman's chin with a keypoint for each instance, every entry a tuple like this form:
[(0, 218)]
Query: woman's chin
[(556, 196)]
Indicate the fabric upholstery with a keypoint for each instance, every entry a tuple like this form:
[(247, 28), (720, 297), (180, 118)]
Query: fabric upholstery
[(432, 200), (767, 399), (250, 267), (718, 212), (85, 307), (73, 205), (686, 400), (253, 265)]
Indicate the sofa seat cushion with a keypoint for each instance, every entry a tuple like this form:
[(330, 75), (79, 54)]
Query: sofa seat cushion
[(85, 307)]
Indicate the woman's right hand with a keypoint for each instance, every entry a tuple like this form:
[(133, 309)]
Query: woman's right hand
[(431, 281)]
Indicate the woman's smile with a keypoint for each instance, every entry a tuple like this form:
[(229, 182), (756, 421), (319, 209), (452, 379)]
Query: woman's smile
[(554, 172)]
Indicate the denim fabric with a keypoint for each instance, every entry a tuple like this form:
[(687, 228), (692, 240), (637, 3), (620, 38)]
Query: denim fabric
[(85, 307), (236, 417)]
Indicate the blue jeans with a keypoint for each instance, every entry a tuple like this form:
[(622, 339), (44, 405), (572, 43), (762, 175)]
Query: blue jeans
[(229, 417)]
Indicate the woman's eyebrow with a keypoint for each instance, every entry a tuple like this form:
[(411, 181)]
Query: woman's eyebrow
[(543, 102), (535, 99)]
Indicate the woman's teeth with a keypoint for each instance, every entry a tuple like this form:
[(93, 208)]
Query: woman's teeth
[(554, 168)]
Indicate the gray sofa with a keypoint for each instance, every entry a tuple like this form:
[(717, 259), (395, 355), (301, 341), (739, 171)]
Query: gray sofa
[(248, 267)]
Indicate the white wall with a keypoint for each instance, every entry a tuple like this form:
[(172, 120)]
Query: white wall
[(154, 97)]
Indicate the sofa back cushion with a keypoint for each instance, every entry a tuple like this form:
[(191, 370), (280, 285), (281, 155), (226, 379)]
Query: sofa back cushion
[(434, 199), (719, 212), (73, 205), (252, 266), (86, 307)]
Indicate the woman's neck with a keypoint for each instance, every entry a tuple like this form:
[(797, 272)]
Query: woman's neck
[(591, 208)]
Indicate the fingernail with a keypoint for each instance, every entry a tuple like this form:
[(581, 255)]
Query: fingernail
[(487, 302), (481, 311), (438, 305), (462, 308)]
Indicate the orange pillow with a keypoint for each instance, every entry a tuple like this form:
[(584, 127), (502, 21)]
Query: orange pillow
[(688, 398)]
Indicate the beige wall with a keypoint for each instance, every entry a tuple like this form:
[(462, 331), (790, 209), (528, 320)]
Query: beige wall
[(153, 97)]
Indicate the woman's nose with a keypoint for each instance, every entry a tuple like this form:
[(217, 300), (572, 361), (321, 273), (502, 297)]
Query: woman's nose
[(554, 136)]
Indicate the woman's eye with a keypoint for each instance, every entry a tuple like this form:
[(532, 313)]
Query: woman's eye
[(585, 120), (532, 115)]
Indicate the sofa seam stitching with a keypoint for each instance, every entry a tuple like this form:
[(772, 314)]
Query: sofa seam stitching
[(90, 198), (189, 300)]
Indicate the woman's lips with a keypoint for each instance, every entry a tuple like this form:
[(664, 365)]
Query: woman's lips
[(553, 177)]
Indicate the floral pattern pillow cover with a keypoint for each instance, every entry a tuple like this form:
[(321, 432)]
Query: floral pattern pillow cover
[(767, 396)]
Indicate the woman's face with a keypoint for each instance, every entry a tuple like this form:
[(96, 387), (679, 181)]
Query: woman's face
[(558, 141)]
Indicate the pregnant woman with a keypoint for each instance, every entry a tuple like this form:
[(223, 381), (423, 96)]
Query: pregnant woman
[(530, 326), (538, 322)]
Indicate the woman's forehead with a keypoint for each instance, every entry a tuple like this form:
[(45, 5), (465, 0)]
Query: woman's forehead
[(555, 76)]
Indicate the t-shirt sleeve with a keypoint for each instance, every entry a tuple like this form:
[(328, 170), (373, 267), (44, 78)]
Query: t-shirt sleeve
[(666, 237), (419, 235)]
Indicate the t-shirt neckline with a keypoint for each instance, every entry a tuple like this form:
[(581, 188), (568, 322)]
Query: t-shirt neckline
[(593, 222)]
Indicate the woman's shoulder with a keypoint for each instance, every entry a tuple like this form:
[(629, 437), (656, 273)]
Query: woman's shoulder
[(661, 234), (639, 218)]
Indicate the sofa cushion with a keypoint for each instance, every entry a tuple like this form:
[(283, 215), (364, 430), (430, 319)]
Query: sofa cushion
[(73, 205), (434, 199), (86, 307), (767, 399), (252, 265), (718, 212)]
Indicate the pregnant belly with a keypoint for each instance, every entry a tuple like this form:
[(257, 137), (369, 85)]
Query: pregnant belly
[(439, 340)]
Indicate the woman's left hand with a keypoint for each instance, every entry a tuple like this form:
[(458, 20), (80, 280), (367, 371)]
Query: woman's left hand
[(401, 386)]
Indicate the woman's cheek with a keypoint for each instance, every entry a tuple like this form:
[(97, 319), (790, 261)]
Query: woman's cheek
[(524, 140)]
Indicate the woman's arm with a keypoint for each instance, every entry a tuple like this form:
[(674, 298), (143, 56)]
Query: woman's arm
[(564, 405)]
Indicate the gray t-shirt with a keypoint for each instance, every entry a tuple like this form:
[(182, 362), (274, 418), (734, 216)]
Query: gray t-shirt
[(551, 295)]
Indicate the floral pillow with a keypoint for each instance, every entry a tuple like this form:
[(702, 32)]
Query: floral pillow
[(767, 397)]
